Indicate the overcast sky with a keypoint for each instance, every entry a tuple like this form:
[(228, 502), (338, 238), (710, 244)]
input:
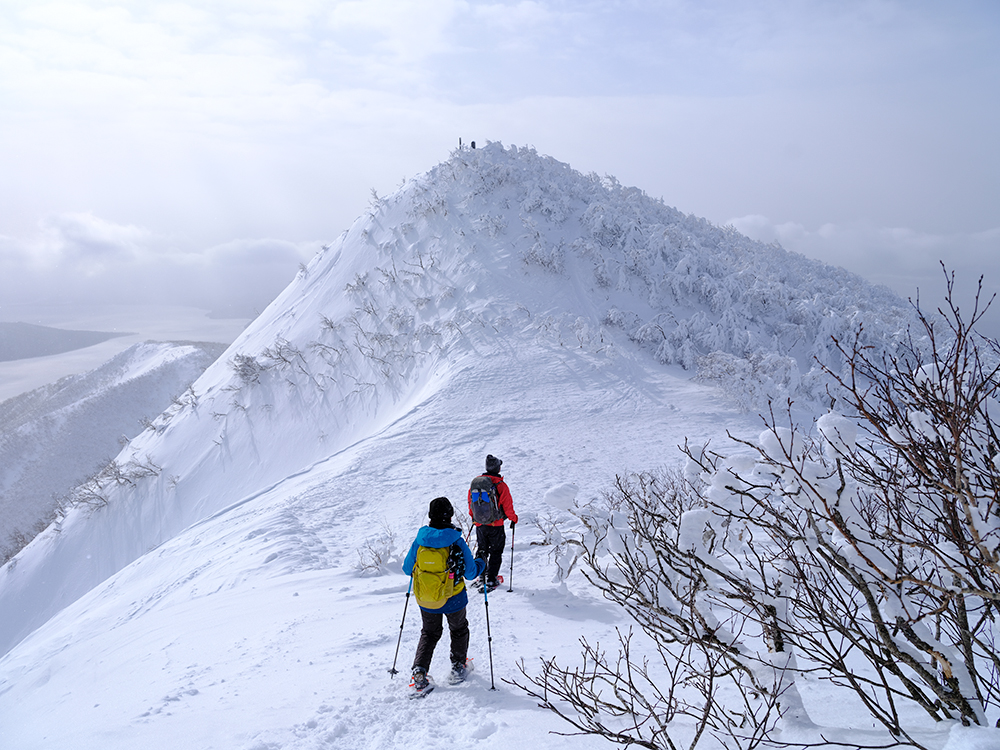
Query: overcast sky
[(197, 152)]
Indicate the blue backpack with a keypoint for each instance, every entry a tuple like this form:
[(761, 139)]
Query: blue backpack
[(485, 501)]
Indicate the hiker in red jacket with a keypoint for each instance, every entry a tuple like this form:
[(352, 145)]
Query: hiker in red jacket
[(491, 537)]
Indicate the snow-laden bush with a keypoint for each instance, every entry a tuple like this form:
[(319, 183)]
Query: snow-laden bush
[(865, 553), (751, 380), (94, 492), (379, 552), (247, 368), (675, 683)]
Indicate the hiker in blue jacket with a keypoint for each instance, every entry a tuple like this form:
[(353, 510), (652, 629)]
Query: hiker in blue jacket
[(438, 560)]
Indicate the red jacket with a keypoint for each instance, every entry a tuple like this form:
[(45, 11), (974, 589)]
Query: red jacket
[(505, 500)]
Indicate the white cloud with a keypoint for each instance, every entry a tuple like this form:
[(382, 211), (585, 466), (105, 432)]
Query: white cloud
[(87, 241), (183, 125), (83, 259)]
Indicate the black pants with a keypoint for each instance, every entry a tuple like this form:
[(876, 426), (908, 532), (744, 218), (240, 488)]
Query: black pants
[(490, 541), (431, 632)]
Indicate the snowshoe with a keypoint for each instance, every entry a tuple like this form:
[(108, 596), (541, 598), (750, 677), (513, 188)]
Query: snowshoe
[(459, 672), (421, 684), (490, 585)]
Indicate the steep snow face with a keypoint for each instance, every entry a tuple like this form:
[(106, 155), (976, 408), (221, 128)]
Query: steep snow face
[(496, 260), (54, 437)]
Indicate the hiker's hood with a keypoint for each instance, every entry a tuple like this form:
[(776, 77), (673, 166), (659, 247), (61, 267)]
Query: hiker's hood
[(430, 537)]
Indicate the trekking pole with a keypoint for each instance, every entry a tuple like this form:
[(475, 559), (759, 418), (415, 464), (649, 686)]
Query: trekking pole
[(489, 637), (511, 586), (393, 672)]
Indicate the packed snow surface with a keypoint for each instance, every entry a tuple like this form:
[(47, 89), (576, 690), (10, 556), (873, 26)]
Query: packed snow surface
[(249, 595)]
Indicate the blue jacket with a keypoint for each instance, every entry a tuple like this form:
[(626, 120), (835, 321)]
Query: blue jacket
[(428, 536)]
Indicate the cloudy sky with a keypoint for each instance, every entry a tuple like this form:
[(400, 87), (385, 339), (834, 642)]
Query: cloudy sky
[(197, 152)]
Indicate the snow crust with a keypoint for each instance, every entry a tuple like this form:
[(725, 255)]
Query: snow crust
[(500, 303)]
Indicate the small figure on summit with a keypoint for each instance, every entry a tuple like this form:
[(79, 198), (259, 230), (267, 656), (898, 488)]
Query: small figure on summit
[(437, 561), (489, 504)]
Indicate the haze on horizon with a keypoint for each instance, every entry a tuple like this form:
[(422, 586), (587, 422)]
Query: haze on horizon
[(196, 153)]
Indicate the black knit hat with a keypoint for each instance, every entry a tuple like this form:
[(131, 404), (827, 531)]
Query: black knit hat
[(441, 511), (493, 464)]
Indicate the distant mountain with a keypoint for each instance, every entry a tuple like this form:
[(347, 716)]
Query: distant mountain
[(24, 340), (501, 303), (53, 438)]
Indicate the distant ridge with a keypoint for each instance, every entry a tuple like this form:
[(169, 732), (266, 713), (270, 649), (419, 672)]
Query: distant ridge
[(53, 437), (26, 341)]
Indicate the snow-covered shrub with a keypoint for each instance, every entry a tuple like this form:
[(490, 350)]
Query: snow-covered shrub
[(280, 354), (549, 257), (865, 553), (378, 552), (247, 368), (492, 224), (95, 491), (678, 677), (752, 381)]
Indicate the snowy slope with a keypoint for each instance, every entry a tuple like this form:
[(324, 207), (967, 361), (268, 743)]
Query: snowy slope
[(54, 437), (499, 303)]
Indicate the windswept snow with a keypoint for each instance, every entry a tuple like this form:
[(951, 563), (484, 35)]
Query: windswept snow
[(249, 595)]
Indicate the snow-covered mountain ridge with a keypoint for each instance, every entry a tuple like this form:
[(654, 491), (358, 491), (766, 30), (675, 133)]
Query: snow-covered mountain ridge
[(499, 303), (54, 437)]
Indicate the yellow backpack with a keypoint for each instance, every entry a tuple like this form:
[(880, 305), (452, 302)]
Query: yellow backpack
[(434, 580)]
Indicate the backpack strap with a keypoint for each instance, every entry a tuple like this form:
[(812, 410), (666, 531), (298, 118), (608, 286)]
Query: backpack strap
[(496, 487)]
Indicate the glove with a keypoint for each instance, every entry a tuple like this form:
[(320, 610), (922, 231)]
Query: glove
[(512, 524)]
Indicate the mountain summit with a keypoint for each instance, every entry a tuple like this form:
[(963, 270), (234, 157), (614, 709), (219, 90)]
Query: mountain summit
[(500, 303)]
